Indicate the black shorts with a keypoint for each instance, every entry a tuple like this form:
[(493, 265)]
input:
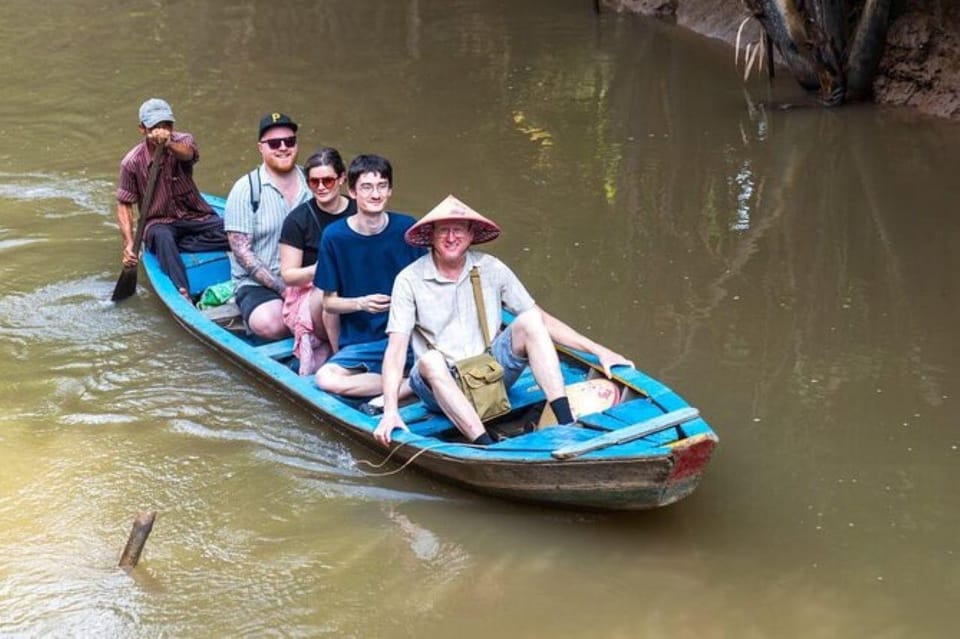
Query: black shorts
[(251, 296)]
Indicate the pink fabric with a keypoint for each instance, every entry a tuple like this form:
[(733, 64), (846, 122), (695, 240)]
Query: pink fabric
[(308, 348)]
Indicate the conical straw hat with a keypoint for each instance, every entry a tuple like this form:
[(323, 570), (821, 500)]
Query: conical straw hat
[(421, 233)]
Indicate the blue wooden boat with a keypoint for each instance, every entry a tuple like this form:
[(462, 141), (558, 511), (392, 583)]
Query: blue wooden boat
[(649, 450)]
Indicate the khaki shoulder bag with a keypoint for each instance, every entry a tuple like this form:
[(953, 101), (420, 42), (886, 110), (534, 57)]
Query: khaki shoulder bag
[(481, 377)]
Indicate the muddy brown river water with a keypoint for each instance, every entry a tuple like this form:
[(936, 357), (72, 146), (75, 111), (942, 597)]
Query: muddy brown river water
[(791, 272)]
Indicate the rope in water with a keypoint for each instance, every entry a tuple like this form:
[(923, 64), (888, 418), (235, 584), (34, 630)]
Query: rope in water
[(406, 463)]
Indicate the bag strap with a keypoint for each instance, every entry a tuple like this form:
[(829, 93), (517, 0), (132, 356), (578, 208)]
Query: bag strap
[(481, 310), (257, 187), (481, 314), (254, 192)]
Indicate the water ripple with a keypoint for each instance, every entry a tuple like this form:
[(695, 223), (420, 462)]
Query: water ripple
[(17, 243), (87, 194)]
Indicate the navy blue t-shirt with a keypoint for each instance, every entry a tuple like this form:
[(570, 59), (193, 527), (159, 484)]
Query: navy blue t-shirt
[(354, 265)]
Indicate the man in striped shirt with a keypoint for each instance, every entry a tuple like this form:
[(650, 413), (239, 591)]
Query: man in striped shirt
[(256, 207), (179, 219)]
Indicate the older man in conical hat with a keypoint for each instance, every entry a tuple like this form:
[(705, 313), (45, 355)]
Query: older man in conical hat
[(433, 305)]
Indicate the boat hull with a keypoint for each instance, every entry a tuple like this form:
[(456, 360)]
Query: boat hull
[(647, 471)]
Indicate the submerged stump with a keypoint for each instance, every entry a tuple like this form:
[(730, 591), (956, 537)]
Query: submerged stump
[(142, 525)]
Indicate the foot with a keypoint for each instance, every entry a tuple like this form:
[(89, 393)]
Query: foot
[(369, 408)]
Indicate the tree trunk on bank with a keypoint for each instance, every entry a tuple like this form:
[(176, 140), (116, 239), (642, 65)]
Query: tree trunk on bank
[(920, 65)]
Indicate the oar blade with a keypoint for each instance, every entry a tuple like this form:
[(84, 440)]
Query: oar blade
[(126, 284)]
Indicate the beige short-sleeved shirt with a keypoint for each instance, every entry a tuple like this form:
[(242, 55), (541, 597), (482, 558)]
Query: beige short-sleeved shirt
[(444, 311)]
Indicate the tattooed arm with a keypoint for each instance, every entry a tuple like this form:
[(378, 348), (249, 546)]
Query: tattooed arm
[(240, 244)]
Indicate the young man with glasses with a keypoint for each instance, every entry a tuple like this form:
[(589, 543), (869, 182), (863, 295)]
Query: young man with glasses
[(299, 240), (179, 218), (357, 261), (256, 207)]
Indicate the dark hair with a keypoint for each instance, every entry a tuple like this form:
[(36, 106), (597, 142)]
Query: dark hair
[(369, 164), (326, 156)]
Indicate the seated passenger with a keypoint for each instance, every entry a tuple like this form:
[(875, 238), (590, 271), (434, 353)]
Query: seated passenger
[(433, 301), (256, 207), (299, 239), (358, 259)]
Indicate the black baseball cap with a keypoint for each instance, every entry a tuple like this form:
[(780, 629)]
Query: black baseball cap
[(271, 120)]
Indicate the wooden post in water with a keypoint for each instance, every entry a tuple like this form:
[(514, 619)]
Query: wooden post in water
[(142, 525)]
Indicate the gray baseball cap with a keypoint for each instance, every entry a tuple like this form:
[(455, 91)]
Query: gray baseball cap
[(154, 111)]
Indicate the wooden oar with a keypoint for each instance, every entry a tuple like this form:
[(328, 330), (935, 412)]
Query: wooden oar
[(127, 282)]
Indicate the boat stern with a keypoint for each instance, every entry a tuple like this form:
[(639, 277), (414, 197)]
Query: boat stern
[(690, 457)]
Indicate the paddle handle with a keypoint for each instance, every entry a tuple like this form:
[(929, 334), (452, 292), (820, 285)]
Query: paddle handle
[(147, 198)]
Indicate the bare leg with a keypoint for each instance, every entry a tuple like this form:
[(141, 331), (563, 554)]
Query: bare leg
[(343, 381), (330, 329), (404, 392), (326, 326), (266, 320), (451, 399), (532, 340), (317, 316)]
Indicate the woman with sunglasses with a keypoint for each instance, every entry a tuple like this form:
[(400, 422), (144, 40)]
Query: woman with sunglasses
[(299, 239)]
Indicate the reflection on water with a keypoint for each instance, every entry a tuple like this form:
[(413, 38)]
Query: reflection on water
[(790, 272)]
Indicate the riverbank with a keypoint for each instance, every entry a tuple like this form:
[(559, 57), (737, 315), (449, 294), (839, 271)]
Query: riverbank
[(920, 66)]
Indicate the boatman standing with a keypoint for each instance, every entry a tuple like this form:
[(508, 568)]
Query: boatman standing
[(179, 218), (433, 302)]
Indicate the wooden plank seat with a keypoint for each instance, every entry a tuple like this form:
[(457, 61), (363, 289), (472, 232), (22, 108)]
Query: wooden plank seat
[(623, 414), (224, 314), (630, 433), (277, 350)]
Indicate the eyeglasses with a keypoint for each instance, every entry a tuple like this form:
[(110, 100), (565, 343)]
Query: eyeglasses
[(367, 189), (274, 143), (456, 231), (327, 182)]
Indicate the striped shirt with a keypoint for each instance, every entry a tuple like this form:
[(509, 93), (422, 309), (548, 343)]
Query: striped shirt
[(264, 226), (175, 196)]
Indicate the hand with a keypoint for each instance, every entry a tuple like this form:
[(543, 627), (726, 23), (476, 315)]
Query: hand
[(388, 422), (609, 359), (375, 303), (129, 257), (159, 135)]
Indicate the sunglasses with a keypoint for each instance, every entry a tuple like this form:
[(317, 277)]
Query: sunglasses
[(327, 182), (274, 143)]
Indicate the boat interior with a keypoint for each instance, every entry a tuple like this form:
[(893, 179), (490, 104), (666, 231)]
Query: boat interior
[(631, 405)]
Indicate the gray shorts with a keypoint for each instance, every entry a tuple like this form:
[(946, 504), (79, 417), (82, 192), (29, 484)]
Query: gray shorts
[(502, 350)]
